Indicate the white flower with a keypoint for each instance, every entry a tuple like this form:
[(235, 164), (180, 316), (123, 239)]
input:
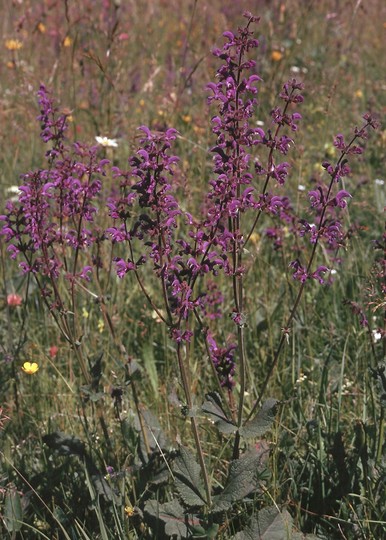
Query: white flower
[(105, 141), (379, 182), (377, 335), (301, 187), (302, 377), (14, 191), (347, 384)]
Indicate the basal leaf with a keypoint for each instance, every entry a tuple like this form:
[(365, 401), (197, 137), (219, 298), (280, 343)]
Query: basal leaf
[(262, 421), (103, 488), (212, 406), (156, 438), (269, 524), (187, 478), (274, 525), (243, 479), (173, 518), (301, 536), (65, 444), (13, 513)]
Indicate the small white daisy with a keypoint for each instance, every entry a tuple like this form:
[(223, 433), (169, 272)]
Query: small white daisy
[(105, 141), (377, 335)]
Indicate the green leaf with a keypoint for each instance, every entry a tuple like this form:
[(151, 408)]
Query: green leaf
[(65, 444), (243, 479), (212, 531), (95, 364), (187, 478), (262, 421), (269, 524), (212, 406), (156, 438), (103, 488), (174, 520), (13, 513), (301, 536)]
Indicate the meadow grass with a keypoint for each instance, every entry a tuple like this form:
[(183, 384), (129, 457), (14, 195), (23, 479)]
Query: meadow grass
[(121, 428)]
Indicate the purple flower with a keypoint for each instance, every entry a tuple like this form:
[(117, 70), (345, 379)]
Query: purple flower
[(300, 272), (179, 336), (317, 274), (46, 225), (223, 361), (340, 199), (358, 310), (122, 267)]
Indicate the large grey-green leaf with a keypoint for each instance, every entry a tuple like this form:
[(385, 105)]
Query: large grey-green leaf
[(212, 406), (243, 479), (13, 514), (174, 520), (188, 479), (271, 524), (65, 444), (262, 421), (156, 438)]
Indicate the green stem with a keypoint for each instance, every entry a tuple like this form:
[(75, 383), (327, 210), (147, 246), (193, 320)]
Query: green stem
[(194, 424), (381, 435)]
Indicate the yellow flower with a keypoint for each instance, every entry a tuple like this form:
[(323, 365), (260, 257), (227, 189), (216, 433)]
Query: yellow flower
[(30, 367), (13, 44), (101, 326), (255, 238), (129, 511), (67, 41), (85, 313), (276, 56), (41, 28)]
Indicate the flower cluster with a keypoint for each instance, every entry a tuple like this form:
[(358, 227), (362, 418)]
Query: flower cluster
[(223, 361), (56, 206), (327, 203), (148, 185), (231, 191), (53, 125)]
